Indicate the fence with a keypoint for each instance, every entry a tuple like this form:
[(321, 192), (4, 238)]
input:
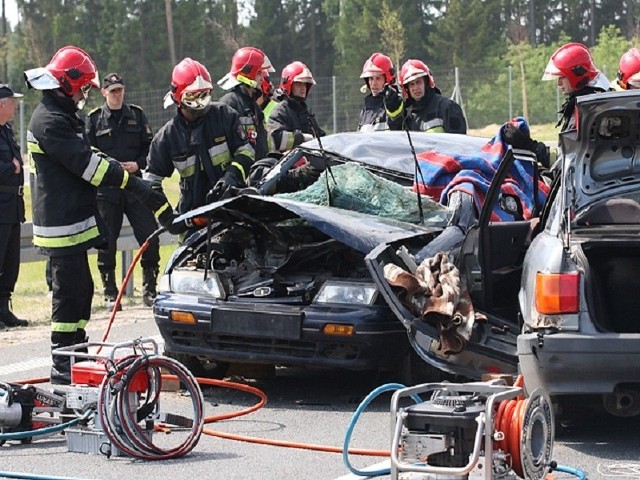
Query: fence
[(127, 243), (488, 96)]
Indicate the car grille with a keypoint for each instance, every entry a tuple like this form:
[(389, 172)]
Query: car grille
[(294, 348)]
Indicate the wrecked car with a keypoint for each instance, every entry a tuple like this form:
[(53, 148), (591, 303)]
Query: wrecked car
[(281, 280), (556, 292)]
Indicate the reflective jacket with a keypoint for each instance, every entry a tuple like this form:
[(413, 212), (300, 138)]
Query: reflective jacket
[(432, 113), (65, 173), (373, 116), (288, 123), (11, 183), (200, 151), (251, 118)]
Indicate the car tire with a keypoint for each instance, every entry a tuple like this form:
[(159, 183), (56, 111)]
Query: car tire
[(201, 366)]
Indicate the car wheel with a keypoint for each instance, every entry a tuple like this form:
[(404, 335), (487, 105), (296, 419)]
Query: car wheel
[(201, 366)]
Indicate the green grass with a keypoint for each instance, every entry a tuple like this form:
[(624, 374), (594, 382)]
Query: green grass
[(30, 300)]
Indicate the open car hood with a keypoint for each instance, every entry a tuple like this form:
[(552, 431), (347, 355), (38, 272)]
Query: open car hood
[(359, 231), (602, 156)]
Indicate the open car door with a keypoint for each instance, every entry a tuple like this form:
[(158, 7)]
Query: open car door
[(490, 265)]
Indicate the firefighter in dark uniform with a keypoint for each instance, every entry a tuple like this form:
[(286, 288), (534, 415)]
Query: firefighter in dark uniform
[(12, 211), (65, 175), (204, 142), (425, 109), (377, 72), (121, 131), (290, 122), (244, 89)]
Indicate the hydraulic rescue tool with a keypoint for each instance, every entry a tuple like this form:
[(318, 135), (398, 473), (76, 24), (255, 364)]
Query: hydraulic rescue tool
[(112, 405), (482, 430)]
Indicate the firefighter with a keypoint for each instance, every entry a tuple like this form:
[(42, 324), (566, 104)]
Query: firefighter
[(12, 213), (121, 131), (572, 67), (378, 73), (290, 122), (244, 88), (65, 174), (204, 141), (628, 77), (424, 108)]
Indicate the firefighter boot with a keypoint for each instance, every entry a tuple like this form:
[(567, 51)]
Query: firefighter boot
[(61, 364), (149, 276), (7, 317), (110, 289)]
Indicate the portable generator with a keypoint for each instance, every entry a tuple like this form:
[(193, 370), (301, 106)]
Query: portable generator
[(471, 431)]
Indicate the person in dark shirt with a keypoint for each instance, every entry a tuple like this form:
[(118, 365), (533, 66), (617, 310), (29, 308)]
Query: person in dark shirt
[(12, 211), (378, 73)]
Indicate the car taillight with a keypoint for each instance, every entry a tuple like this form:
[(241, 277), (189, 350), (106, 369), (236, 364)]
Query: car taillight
[(557, 293)]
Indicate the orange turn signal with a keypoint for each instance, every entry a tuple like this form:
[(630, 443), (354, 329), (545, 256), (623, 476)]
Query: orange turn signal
[(338, 329), (183, 317), (557, 293)]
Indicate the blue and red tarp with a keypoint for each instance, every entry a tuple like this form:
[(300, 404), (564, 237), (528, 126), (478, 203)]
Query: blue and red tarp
[(442, 173)]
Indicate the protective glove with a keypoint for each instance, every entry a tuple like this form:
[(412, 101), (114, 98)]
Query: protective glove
[(232, 179), (518, 139), (298, 178), (149, 197), (392, 99)]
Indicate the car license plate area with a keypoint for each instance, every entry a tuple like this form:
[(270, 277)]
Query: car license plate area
[(262, 324)]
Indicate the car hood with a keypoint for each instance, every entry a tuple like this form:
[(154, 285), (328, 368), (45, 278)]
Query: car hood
[(359, 231), (602, 156)]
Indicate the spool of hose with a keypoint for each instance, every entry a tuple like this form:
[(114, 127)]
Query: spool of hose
[(124, 424), (528, 428)]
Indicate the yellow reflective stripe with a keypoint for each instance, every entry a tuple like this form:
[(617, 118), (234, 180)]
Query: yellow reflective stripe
[(34, 147), (186, 167), (65, 230), (64, 327), (436, 130), (101, 171), (83, 323), (396, 112), (158, 212), (247, 150), (187, 172), (125, 179), (241, 168), (66, 241), (221, 159)]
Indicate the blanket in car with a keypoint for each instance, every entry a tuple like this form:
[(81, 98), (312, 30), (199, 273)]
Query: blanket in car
[(444, 172)]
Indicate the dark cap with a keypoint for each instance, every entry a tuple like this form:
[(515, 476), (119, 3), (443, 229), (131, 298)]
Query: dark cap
[(111, 81), (6, 92)]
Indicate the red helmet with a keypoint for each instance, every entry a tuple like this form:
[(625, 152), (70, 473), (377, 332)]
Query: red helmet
[(266, 85), (74, 70), (379, 64), (295, 72), (413, 69), (247, 63), (190, 85), (573, 61), (629, 70)]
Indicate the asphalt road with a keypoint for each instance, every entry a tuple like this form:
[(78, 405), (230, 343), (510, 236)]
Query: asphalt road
[(307, 408)]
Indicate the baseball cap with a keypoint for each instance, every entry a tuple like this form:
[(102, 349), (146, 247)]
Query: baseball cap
[(6, 92), (112, 81)]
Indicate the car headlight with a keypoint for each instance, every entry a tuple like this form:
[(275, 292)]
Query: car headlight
[(191, 281), (341, 291)]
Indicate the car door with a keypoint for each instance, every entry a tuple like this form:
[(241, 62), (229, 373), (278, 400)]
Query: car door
[(490, 264)]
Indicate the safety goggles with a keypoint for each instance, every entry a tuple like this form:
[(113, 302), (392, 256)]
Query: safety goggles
[(197, 100)]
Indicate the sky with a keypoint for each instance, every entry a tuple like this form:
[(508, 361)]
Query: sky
[(10, 11)]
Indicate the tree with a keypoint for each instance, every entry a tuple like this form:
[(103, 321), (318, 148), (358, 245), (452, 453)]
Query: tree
[(392, 33)]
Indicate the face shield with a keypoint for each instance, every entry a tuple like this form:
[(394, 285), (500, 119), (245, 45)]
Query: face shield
[(196, 103)]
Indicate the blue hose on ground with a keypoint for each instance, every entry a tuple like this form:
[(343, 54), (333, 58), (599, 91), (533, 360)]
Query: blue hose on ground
[(43, 431), (354, 419), (573, 471)]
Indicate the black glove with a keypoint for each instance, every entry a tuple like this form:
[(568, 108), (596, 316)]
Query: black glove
[(518, 139), (232, 179), (298, 178), (150, 198), (392, 99), (166, 219)]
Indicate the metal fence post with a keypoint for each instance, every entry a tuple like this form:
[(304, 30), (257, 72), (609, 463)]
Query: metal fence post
[(510, 92), (334, 104)]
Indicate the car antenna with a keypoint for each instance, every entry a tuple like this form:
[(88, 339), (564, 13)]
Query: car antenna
[(417, 170), (312, 118)]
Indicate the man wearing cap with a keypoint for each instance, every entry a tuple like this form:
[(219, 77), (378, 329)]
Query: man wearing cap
[(121, 131), (12, 211)]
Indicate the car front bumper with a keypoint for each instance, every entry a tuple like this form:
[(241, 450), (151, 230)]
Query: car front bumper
[(280, 334), (572, 363)]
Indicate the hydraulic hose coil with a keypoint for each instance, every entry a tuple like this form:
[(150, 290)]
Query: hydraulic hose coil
[(125, 425)]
